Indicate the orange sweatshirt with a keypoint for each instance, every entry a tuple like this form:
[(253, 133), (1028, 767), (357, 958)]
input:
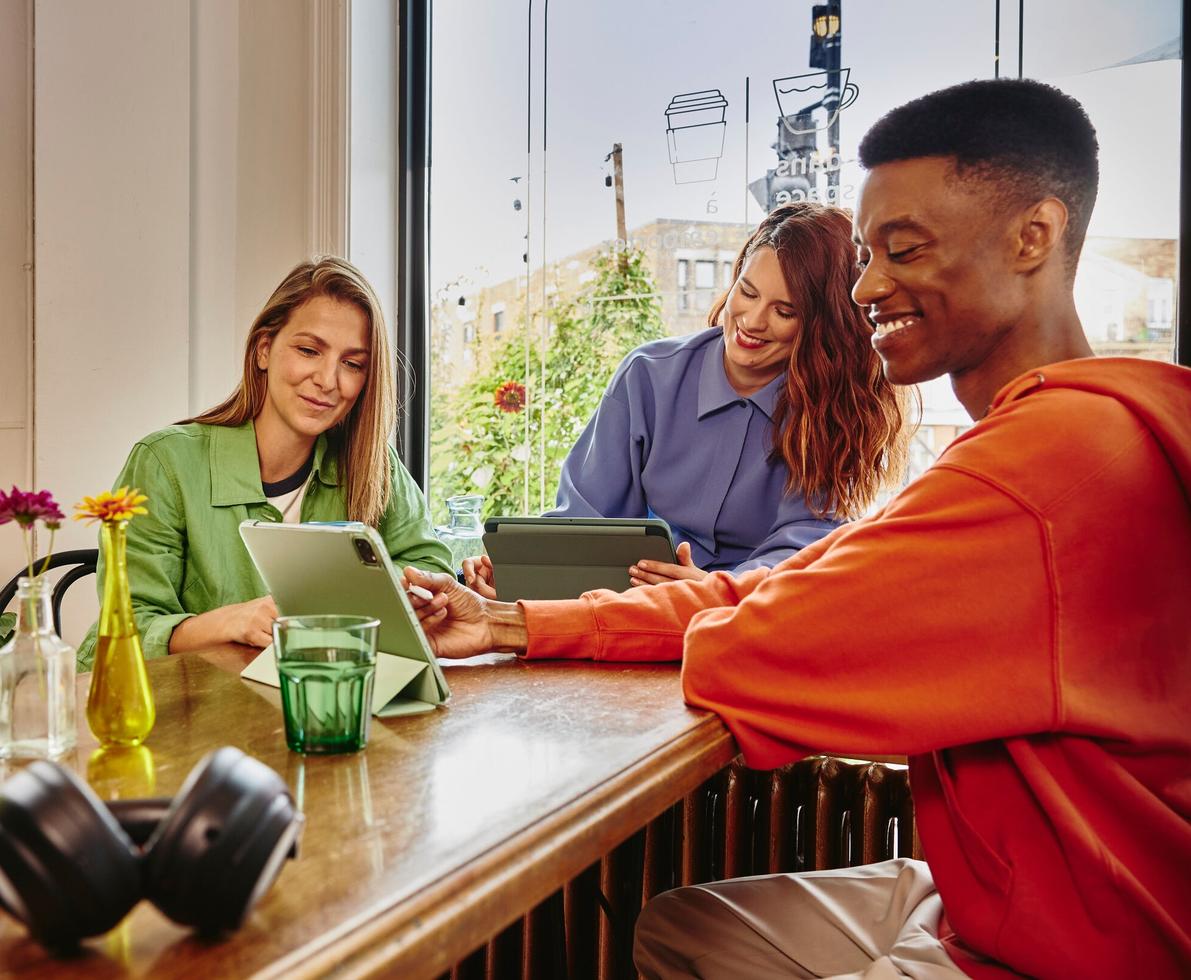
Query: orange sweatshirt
[(1018, 622)]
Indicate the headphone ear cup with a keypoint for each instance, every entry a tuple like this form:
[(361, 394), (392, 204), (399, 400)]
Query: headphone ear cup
[(222, 843), (67, 869)]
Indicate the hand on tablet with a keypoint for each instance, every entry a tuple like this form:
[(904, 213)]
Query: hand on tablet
[(461, 623), (479, 576), (647, 572)]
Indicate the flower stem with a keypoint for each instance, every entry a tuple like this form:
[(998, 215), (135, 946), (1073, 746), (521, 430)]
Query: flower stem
[(31, 612), (49, 554)]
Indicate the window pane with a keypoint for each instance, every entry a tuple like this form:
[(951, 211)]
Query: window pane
[(1128, 56), (524, 215)]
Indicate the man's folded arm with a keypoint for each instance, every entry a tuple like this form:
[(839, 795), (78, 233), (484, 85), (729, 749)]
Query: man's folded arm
[(930, 627), (643, 624)]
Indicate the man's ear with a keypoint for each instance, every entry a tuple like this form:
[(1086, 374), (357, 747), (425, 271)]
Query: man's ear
[(1040, 233), (262, 353)]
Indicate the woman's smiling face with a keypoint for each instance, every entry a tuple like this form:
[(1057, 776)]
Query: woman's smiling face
[(759, 323), (317, 365)]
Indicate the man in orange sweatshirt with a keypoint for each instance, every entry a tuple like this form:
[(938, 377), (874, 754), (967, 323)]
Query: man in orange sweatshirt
[(1017, 621)]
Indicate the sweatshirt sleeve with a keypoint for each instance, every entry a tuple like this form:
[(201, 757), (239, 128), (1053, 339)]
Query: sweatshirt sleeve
[(601, 476), (929, 627), (643, 624), (794, 529)]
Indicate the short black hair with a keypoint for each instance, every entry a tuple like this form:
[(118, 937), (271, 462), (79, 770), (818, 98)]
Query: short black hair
[(1025, 139)]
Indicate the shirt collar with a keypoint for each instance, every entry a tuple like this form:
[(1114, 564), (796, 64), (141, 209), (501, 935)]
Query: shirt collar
[(236, 469), (715, 391)]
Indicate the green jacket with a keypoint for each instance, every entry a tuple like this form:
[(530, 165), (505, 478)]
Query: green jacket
[(185, 556)]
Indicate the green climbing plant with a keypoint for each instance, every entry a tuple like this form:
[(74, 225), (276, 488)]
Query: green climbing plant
[(505, 434)]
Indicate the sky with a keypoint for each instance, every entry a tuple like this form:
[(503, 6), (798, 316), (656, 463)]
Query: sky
[(609, 70)]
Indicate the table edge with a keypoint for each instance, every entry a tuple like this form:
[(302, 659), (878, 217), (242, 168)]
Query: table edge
[(446, 920)]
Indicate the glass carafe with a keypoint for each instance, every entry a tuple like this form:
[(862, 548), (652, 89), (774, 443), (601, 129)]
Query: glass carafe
[(464, 534), (37, 681)]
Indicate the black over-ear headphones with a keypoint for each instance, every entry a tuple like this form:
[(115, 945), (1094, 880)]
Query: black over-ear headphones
[(72, 866)]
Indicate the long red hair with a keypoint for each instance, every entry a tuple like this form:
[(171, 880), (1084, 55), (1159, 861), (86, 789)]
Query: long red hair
[(840, 426)]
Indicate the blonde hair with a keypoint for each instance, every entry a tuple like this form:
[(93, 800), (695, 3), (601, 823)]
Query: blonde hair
[(360, 441)]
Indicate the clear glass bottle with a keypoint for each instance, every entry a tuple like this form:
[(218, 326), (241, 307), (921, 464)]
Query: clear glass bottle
[(464, 535), (37, 681)]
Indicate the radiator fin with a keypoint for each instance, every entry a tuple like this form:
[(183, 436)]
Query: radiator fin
[(818, 813)]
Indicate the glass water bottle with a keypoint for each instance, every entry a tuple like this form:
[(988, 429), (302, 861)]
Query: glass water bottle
[(37, 681), (464, 535)]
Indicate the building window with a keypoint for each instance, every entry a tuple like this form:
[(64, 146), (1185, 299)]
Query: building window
[(498, 321), (469, 333), (727, 275), (684, 284)]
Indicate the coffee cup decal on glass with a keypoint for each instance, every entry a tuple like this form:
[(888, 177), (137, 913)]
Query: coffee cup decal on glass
[(793, 92), (695, 134)]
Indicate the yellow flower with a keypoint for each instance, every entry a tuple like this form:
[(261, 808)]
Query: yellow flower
[(110, 507)]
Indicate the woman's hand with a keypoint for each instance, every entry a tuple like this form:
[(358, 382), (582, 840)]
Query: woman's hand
[(250, 623), (461, 623), (647, 572), (479, 576)]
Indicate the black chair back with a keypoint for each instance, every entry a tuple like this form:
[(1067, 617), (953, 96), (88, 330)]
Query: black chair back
[(85, 560)]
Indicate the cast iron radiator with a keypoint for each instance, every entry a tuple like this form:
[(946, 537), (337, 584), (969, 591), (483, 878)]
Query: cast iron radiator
[(819, 813)]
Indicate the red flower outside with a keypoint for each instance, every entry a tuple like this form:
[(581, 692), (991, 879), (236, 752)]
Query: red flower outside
[(510, 397)]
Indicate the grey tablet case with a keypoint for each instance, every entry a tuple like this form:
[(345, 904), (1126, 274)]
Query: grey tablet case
[(563, 557), (344, 569)]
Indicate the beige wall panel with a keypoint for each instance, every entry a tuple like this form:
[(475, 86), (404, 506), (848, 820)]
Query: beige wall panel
[(273, 149), (215, 79), (14, 245), (12, 555), (112, 151)]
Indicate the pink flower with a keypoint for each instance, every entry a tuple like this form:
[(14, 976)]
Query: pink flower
[(26, 508)]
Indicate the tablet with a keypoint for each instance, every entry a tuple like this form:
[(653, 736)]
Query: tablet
[(563, 557), (344, 569)]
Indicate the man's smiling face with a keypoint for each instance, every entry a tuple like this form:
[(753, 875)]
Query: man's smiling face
[(938, 281)]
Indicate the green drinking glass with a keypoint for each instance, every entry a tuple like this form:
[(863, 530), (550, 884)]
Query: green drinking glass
[(326, 665)]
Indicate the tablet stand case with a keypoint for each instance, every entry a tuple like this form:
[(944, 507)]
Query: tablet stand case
[(408, 680)]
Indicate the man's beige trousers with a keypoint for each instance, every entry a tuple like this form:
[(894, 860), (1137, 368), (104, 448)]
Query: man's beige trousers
[(875, 922)]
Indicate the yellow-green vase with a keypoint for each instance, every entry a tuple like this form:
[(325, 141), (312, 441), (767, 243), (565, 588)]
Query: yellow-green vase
[(120, 707)]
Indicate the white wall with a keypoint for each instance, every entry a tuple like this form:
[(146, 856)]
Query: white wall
[(112, 235), (168, 181), (172, 194)]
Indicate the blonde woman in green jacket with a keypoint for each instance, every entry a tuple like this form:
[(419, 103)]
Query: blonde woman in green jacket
[(304, 437)]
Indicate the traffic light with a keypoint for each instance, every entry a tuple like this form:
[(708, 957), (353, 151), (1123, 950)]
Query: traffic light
[(825, 36)]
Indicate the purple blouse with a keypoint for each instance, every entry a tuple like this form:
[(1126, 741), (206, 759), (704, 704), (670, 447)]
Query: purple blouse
[(672, 439)]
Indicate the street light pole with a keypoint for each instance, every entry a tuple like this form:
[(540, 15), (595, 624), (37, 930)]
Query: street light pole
[(831, 102), (622, 235)]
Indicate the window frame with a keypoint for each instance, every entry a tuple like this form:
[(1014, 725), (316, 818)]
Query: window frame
[(412, 329)]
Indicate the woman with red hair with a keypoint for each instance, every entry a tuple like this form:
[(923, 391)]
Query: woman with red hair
[(756, 437)]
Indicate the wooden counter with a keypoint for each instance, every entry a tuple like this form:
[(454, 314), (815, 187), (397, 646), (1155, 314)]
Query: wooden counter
[(447, 828)]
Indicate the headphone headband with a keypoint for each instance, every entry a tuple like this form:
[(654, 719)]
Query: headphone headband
[(72, 866)]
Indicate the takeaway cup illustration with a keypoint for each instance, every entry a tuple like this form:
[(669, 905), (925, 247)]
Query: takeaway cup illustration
[(695, 133), (792, 93)]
